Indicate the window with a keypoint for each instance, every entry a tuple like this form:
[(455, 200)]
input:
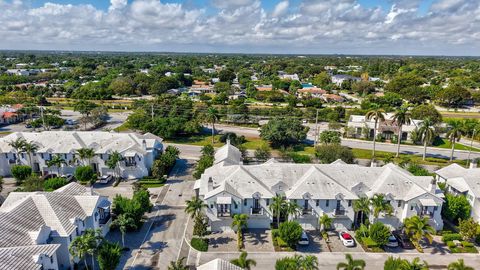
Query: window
[(245, 202), (435, 208), (349, 203), (317, 202), (211, 205), (267, 201), (51, 259), (327, 203), (411, 208), (399, 203), (295, 201)]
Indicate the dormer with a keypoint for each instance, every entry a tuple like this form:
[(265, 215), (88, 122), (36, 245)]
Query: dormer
[(41, 236)]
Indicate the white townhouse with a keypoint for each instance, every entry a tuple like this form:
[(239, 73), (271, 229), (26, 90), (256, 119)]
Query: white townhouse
[(387, 128), (229, 187), (340, 78), (463, 181), (138, 151), (36, 228)]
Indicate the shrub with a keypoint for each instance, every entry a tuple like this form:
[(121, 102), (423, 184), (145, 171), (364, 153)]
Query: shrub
[(85, 174), (54, 183), (281, 243), (330, 153), (199, 244), (165, 162), (379, 233), (455, 208), (369, 243), (451, 245), (467, 244), (200, 225), (21, 172), (450, 237), (234, 139), (290, 232)]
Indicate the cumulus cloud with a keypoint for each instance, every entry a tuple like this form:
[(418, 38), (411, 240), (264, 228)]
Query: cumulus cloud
[(312, 26)]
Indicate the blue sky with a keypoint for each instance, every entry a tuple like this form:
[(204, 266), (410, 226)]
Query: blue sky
[(426, 27)]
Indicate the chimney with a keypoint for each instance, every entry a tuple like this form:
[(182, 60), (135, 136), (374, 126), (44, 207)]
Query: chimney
[(432, 187), (210, 184)]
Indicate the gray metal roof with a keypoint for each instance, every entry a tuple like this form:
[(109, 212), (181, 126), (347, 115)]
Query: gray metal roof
[(24, 257)]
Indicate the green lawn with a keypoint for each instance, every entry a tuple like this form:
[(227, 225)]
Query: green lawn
[(381, 155), (446, 144), (199, 140), (123, 128)]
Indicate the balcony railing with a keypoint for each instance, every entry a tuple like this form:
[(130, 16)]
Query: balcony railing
[(131, 164), (104, 220), (307, 211), (425, 213), (256, 211), (339, 212)]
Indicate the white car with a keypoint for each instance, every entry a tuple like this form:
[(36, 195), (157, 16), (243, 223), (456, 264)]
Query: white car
[(346, 239), (105, 179), (392, 241), (304, 239)]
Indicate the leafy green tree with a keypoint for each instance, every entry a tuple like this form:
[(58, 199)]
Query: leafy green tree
[(195, 206), (239, 223), (200, 225), (85, 174), (325, 222), (378, 115), (380, 205), (283, 131), (330, 137), (109, 255), (290, 232), (379, 233), (206, 160), (142, 196), (84, 107), (243, 262), (84, 245), (418, 228), (402, 81), (178, 265), (401, 117), (21, 172), (454, 133), (322, 79), (453, 96), (226, 75), (427, 131), (422, 112), (54, 183), (351, 264), (459, 265), (113, 163), (469, 229), (123, 223), (329, 153), (277, 207), (262, 153), (456, 207), (32, 183)]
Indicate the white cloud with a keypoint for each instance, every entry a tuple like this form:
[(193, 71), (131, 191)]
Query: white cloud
[(281, 8), (314, 26)]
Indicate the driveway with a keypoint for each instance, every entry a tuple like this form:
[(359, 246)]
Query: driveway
[(124, 188), (255, 240), (317, 243), (337, 245)]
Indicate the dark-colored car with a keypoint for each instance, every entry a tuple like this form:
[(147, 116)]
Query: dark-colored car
[(403, 240), (49, 176)]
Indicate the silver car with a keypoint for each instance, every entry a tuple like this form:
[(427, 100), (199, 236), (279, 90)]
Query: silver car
[(304, 239)]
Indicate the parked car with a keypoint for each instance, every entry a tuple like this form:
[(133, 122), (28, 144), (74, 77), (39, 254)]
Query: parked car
[(304, 239), (69, 177), (403, 240), (70, 122), (392, 241), (49, 176), (105, 179), (347, 239)]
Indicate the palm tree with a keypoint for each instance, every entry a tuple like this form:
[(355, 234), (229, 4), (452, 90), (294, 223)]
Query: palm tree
[(277, 206), (239, 223), (362, 205), (418, 228), (124, 222), (401, 117), (459, 265), (427, 131), (309, 262), (293, 209), (194, 206), (86, 244), (377, 114), (211, 116), (57, 161), (393, 263), (379, 205), (455, 132), (178, 265), (113, 163), (243, 262), (108, 255), (30, 148), (351, 264), (325, 222), (416, 264), (85, 154), (18, 146)]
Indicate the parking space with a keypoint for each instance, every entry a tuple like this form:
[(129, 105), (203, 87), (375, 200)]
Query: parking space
[(124, 188), (336, 244), (317, 243), (258, 240), (222, 241)]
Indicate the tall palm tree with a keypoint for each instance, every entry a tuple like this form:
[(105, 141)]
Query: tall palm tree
[(86, 155), (239, 223), (416, 264), (325, 222), (418, 228), (377, 114), (86, 244), (309, 262), (351, 264), (113, 163), (362, 206), (459, 265), (292, 209), (401, 117), (427, 131), (379, 205), (178, 265), (455, 133), (18, 146), (194, 206), (243, 262), (57, 161), (277, 207), (211, 116), (123, 222), (30, 148)]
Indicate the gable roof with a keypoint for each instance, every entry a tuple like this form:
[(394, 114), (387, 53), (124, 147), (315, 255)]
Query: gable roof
[(24, 257), (218, 264), (229, 154)]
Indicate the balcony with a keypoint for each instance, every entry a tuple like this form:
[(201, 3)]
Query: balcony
[(339, 212), (426, 213), (256, 211), (307, 211), (223, 214), (104, 220), (130, 164)]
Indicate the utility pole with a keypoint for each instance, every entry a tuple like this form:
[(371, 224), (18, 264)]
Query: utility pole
[(471, 145), (43, 118), (316, 129)]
